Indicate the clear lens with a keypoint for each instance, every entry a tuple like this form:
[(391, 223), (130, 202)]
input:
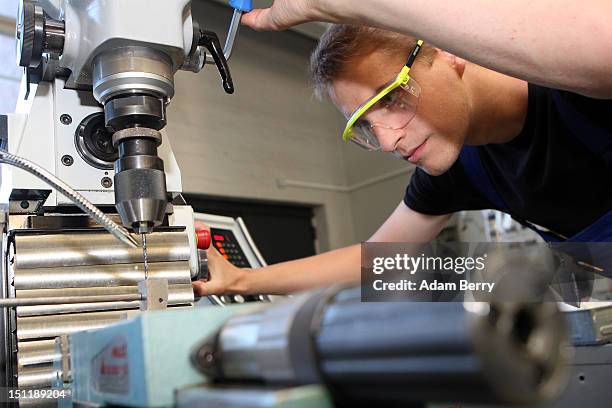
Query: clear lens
[(363, 136), (393, 111)]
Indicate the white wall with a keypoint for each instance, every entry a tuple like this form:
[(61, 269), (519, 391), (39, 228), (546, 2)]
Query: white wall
[(372, 204), (272, 128)]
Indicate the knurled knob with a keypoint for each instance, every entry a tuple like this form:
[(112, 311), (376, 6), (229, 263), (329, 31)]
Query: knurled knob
[(204, 239)]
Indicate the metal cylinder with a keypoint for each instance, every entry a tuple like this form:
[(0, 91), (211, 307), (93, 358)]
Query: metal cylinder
[(132, 70), (177, 295), (86, 279), (396, 351), (54, 36), (66, 300), (36, 377), (40, 327), (95, 276), (37, 352), (49, 250), (140, 181), (128, 111)]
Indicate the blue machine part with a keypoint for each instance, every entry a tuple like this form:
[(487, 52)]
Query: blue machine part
[(242, 5), (144, 361)]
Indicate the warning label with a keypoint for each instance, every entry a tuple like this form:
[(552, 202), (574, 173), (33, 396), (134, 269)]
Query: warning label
[(109, 370)]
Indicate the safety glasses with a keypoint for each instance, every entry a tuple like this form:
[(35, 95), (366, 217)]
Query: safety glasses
[(391, 109)]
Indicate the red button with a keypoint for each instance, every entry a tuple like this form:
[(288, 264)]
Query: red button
[(203, 239)]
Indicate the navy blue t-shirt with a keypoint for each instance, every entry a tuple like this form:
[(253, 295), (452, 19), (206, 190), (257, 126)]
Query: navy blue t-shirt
[(547, 175)]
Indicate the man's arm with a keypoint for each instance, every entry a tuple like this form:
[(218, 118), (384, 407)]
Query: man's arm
[(341, 265), (555, 43)]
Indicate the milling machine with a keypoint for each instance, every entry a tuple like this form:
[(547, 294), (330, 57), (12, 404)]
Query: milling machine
[(88, 133)]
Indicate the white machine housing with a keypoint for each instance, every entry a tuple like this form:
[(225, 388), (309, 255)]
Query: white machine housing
[(43, 128), (36, 132)]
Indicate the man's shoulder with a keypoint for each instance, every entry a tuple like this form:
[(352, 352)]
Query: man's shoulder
[(570, 104)]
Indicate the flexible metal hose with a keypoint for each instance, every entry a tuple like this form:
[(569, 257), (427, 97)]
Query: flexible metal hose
[(88, 207)]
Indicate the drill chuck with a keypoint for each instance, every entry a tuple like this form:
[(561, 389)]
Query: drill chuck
[(140, 181)]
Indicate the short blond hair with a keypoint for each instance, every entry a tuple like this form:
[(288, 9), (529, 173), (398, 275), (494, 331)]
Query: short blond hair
[(342, 44)]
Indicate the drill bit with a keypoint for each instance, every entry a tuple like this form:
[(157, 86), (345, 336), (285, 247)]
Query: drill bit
[(144, 255)]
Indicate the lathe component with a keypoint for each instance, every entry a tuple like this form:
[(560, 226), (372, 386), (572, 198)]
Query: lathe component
[(396, 351)]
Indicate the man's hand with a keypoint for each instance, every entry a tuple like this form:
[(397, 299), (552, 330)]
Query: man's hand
[(223, 276), (284, 14)]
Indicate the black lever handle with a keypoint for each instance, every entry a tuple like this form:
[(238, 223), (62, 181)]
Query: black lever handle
[(210, 40)]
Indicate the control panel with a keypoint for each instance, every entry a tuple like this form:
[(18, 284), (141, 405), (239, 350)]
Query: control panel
[(231, 238), (225, 242)]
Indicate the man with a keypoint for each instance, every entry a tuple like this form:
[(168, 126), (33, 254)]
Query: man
[(538, 148)]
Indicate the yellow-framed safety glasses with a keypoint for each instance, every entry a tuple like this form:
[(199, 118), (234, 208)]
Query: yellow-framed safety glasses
[(392, 108)]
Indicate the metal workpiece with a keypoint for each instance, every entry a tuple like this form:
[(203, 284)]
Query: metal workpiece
[(54, 250), (133, 70), (86, 280), (395, 351), (36, 377), (37, 352), (98, 276), (176, 295), (141, 196), (154, 293), (41, 327), (67, 300)]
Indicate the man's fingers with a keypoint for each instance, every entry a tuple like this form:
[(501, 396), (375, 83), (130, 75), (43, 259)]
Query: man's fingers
[(201, 288), (258, 19), (200, 225), (213, 254), (255, 19)]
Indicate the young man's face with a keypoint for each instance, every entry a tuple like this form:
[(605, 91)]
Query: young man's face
[(433, 138)]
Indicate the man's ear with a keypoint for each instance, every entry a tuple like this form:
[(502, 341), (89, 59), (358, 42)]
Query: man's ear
[(458, 64)]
